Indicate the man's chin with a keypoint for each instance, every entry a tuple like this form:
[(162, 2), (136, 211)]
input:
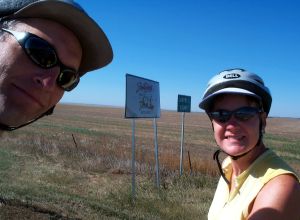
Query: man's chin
[(16, 121)]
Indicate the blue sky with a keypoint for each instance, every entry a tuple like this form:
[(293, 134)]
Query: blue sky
[(182, 44)]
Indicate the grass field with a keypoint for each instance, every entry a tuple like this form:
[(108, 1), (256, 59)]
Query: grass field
[(76, 164)]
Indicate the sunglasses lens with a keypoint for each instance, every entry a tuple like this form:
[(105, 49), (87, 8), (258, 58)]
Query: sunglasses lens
[(245, 113), (41, 52), (68, 79), (241, 114), (44, 55), (220, 116)]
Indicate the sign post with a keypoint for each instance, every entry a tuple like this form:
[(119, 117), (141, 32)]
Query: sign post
[(156, 153), (181, 142), (133, 159), (142, 101), (183, 106)]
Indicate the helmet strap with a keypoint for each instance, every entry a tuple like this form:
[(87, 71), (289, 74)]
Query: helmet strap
[(216, 158)]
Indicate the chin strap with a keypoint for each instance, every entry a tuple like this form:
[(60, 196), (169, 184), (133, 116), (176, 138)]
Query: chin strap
[(12, 128), (216, 157)]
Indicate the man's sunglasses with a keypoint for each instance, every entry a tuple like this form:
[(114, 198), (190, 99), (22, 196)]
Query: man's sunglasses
[(44, 55), (241, 114)]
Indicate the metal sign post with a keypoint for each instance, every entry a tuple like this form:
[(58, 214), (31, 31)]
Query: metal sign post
[(183, 105), (181, 143), (133, 160), (156, 153)]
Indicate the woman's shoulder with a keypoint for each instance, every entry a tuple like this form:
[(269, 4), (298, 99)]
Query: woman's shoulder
[(270, 165), (280, 198)]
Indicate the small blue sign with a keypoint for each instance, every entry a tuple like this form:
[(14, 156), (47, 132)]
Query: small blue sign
[(184, 103)]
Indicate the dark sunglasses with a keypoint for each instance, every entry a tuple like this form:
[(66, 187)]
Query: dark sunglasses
[(44, 55), (241, 114)]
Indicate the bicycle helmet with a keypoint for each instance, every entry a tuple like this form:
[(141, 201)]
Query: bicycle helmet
[(237, 81)]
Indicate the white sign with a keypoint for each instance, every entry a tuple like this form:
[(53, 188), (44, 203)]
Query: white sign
[(142, 98)]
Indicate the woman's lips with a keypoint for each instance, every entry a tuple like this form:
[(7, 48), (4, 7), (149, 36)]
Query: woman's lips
[(234, 138)]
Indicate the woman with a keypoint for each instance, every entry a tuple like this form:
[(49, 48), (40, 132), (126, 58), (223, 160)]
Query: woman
[(255, 182)]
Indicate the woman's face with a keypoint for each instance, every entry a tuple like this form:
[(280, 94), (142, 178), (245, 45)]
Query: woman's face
[(236, 137)]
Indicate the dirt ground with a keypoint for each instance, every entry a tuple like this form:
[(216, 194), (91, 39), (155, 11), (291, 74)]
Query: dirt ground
[(8, 212), (15, 211)]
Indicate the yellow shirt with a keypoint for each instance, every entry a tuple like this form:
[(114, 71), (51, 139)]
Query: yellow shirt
[(235, 205)]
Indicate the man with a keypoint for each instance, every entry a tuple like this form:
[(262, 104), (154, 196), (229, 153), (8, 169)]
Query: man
[(46, 46)]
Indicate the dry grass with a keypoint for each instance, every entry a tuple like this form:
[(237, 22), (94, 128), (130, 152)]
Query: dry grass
[(101, 139), (77, 162)]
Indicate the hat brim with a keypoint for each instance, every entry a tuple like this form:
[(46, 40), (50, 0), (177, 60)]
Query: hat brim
[(97, 51), (206, 103)]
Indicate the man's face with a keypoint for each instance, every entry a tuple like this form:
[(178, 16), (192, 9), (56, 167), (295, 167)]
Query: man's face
[(27, 90)]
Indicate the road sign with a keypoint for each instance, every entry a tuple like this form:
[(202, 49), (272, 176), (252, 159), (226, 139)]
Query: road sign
[(142, 101), (184, 103), (142, 98)]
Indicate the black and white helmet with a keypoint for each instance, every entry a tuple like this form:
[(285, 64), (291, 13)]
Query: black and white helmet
[(237, 81)]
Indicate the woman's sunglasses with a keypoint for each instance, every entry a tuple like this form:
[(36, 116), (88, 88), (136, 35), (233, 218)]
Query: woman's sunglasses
[(44, 55), (241, 114)]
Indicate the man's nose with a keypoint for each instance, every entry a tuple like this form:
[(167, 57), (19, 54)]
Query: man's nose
[(47, 79)]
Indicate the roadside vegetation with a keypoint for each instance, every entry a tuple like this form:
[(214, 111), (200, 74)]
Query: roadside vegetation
[(76, 164)]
